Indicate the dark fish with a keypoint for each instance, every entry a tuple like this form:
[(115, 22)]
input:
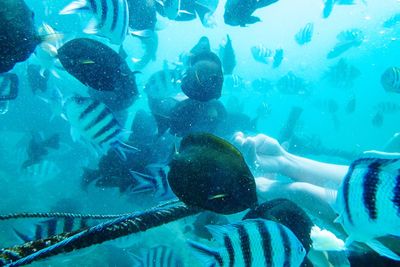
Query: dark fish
[(390, 80), (204, 78), (342, 74), (190, 116), (227, 55), (206, 218), (101, 68), (351, 105), (38, 148), (377, 120), (347, 39), (142, 15), (18, 34), (392, 21), (9, 86), (37, 82), (150, 46), (143, 128), (239, 12), (161, 109), (252, 243), (224, 185), (305, 34), (236, 121), (159, 256), (110, 17), (202, 46)]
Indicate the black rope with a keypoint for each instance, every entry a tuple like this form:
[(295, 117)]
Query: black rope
[(123, 226), (27, 215)]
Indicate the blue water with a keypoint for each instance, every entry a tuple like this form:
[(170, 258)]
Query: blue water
[(279, 24)]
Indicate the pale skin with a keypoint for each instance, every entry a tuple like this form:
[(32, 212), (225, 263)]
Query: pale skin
[(310, 178)]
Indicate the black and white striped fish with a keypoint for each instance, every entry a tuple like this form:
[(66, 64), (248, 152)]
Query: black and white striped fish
[(390, 79), (95, 122), (111, 17), (254, 242), (159, 256), (52, 227), (304, 35), (262, 54), (368, 201)]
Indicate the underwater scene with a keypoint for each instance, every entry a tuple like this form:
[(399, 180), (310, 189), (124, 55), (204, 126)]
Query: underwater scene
[(200, 133)]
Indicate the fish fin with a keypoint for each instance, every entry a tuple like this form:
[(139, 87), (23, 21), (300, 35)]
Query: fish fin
[(142, 34), (381, 154), (338, 258), (383, 250), (23, 237), (206, 254), (211, 5), (74, 7), (218, 231), (145, 182), (91, 27), (74, 134), (264, 3)]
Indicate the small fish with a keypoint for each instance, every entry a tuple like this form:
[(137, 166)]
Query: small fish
[(387, 107), (253, 242), (342, 74), (392, 21), (95, 122), (41, 172), (47, 228), (38, 148), (110, 17), (346, 40), (159, 256), (227, 55), (9, 86), (368, 201), (293, 85), (390, 80), (351, 105), (304, 35), (262, 54), (377, 120)]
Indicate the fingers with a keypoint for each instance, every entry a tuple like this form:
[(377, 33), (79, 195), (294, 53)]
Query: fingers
[(247, 146)]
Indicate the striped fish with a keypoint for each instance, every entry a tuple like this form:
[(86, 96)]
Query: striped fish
[(390, 79), (110, 17), (159, 256), (42, 172), (254, 242), (156, 182), (305, 34), (368, 201), (95, 122), (47, 228), (262, 54)]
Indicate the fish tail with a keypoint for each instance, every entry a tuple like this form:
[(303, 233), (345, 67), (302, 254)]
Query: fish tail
[(74, 7)]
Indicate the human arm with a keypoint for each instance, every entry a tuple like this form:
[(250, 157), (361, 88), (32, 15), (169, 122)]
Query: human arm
[(265, 154)]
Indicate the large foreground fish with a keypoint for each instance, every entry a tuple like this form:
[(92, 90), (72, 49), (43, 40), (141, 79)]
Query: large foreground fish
[(368, 201)]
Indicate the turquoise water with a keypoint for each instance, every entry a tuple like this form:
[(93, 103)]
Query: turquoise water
[(355, 132)]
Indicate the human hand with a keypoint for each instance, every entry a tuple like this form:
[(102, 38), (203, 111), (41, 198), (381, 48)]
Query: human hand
[(262, 152)]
